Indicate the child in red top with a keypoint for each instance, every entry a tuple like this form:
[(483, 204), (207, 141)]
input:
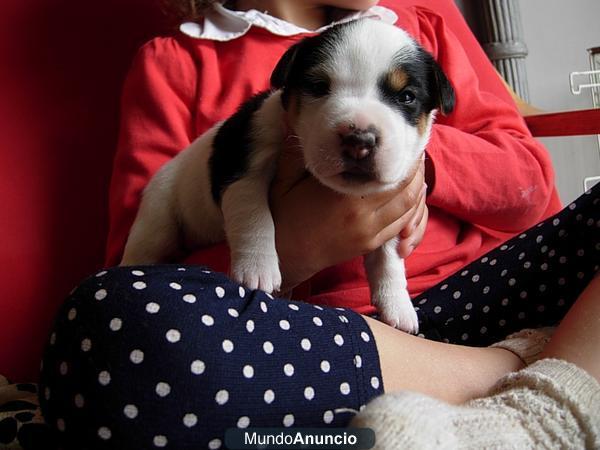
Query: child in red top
[(488, 178), (173, 356)]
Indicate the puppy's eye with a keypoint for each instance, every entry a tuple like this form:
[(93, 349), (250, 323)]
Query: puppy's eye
[(406, 97), (316, 88)]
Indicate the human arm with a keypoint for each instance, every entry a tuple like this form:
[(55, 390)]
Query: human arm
[(156, 123), (485, 167)]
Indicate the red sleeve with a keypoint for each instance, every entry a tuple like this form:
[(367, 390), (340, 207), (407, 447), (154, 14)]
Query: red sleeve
[(488, 169), (156, 123)]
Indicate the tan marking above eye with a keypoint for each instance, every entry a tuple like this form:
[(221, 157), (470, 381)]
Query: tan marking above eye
[(398, 79)]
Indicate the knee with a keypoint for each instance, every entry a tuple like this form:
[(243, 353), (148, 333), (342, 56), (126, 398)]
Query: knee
[(121, 306), (114, 329)]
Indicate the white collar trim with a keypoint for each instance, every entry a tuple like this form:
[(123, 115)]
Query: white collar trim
[(222, 24)]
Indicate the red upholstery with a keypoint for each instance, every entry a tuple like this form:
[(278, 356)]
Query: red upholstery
[(61, 67)]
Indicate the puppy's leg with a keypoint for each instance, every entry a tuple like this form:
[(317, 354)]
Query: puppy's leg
[(387, 280), (154, 236), (251, 233)]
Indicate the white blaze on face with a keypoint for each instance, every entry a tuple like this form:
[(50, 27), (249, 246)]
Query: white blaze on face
[(355, 64)]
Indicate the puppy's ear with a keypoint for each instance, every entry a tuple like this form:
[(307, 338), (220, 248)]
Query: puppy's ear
[(441, 88), (281, 73)]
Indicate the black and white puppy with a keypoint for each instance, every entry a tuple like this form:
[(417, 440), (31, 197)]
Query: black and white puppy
[(361, 97)]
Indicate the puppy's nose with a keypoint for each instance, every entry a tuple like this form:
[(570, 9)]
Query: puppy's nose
[(358, 143)]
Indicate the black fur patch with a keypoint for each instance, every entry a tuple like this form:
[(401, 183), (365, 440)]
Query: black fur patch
[(290, 74), (427, 84), (232, 146)]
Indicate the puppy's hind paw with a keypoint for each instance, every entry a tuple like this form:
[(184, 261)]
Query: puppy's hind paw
[(257, 271), (398, 311)]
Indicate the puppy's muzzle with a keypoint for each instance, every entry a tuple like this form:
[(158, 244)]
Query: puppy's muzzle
[(358, 147)]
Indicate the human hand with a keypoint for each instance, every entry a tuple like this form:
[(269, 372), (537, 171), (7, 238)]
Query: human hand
[(316, 227), (412, 235)]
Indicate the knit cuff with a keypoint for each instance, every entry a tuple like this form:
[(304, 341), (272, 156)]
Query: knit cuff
[(527, 344)]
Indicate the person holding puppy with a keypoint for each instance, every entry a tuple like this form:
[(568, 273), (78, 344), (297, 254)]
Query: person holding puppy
[(172, 356)]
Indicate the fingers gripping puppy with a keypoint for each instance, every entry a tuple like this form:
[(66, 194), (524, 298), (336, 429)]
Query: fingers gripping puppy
[(361, 97)]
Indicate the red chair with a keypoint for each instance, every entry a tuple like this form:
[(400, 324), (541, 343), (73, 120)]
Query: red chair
[(62, 67)]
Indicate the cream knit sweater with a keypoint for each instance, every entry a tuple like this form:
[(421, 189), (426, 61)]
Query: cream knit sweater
[(551, 404)]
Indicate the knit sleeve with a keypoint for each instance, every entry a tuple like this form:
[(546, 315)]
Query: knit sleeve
[(487, 168), (156, 123)]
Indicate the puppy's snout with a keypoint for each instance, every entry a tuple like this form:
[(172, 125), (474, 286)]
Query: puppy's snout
[(358, 143)]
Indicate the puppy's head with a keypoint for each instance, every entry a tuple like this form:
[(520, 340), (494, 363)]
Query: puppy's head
[(362, 98)]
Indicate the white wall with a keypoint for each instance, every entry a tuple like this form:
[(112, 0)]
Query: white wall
[(557, 33)]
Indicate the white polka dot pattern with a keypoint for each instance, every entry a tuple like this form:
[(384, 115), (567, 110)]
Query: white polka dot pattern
[(190, 340)]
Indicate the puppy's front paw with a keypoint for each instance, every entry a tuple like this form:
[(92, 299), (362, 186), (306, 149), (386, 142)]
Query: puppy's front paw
[(257, 271), (396, 309)]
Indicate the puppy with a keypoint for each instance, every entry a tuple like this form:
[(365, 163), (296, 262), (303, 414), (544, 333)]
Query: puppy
[(361, 97)]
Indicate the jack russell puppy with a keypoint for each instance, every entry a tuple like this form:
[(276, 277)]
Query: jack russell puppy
[(361, 97)]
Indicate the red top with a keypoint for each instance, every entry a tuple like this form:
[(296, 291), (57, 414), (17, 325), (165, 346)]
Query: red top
[(492, 179)]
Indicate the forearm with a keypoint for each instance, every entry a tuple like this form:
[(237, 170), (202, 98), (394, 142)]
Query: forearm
[(484, 166), (496, 179)]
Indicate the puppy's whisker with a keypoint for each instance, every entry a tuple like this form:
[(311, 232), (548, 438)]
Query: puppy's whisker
[(310, 101)]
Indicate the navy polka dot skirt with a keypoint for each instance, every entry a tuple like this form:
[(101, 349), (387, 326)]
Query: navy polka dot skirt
[(172, 356)]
